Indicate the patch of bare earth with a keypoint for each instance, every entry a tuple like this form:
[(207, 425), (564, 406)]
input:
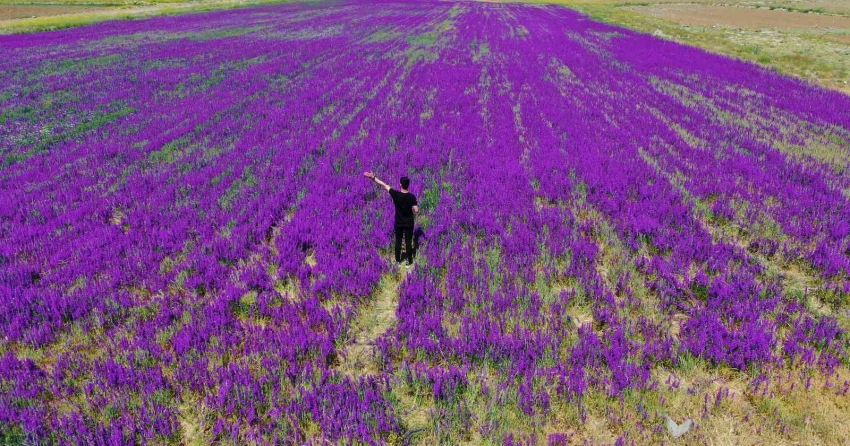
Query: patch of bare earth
[(11, 12), (731, 16)]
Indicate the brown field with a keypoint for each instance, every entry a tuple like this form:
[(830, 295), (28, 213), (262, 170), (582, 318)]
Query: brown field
[(742, 17), (13, 11)]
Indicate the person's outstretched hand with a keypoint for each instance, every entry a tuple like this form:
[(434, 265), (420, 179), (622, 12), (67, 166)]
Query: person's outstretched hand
[(369, 175)]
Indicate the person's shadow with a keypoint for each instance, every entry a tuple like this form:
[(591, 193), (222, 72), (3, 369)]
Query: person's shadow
[(418, 233)]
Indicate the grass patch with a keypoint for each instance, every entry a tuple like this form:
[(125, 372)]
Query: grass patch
[(121, 11)]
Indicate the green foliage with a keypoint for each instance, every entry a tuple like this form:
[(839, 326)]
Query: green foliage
[(424, 39), (221, 33), (168, 153), (686, 362), (383, 36), (700, 291), (13, 435), (44, 144), (248, 180)]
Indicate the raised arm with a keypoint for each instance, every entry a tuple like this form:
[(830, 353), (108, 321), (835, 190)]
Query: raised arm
[(375, 179)]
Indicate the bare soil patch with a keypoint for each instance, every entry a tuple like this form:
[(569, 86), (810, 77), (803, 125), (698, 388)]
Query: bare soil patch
[(731, 16), (11, 12)]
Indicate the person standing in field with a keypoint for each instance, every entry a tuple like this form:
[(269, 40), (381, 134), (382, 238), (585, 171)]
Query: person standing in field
[(406, 207)]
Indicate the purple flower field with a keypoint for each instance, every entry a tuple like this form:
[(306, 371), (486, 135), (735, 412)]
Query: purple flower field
[(615, 228)]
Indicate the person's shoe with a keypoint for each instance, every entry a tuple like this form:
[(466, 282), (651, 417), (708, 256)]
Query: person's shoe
[(408, 265), (398, 265)]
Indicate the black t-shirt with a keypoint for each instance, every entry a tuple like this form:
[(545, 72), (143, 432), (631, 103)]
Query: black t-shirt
[(404, 203)]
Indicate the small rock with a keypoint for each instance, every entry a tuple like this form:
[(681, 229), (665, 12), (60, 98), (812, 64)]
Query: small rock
[(677, 430)]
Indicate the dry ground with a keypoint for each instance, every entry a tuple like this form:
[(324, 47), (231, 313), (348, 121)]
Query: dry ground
[(12, 12), (743, 17)]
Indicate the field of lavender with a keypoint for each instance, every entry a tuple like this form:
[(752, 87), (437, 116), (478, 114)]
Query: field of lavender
[(615, 229)]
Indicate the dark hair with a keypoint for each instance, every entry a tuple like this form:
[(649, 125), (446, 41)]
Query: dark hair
[(405, 182)]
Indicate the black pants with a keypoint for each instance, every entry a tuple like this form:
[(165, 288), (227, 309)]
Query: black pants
[(407, 233)]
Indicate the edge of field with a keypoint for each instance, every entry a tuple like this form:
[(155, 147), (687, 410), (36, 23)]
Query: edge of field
[(807, 53), (117, 11)]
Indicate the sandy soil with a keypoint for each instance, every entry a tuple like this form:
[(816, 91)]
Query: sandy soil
[(731, 16), (11, 12)]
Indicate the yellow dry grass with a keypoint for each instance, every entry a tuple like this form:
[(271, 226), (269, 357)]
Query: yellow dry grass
[(192, 429)]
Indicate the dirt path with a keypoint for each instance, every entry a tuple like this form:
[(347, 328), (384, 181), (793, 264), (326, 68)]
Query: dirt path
[(375, 318)]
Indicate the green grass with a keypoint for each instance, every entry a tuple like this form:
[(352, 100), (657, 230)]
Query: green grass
[(65, 21), (45, 142)]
